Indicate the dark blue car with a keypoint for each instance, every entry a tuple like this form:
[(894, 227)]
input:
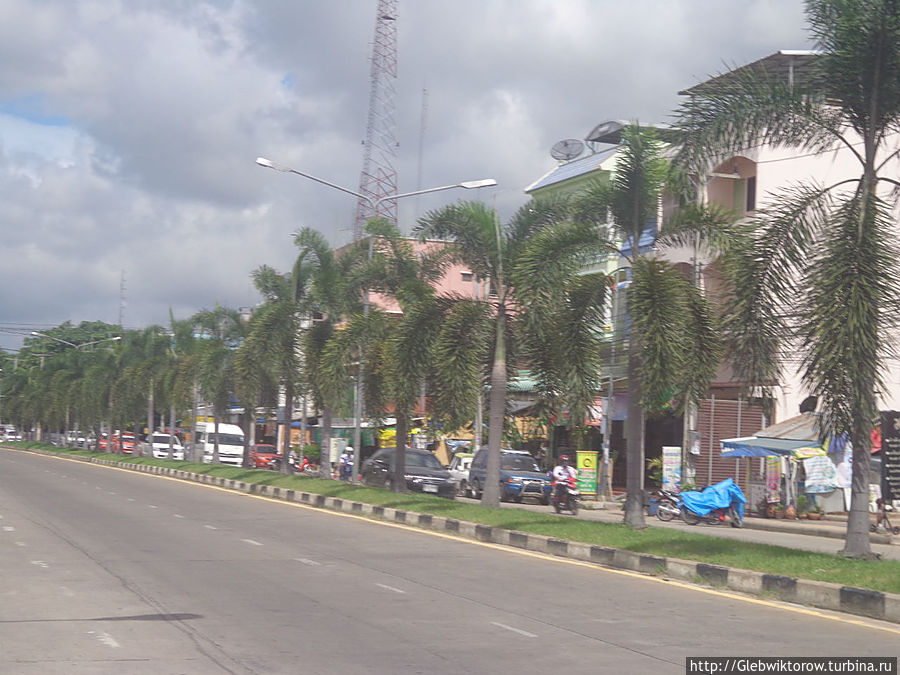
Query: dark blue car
[(520, 476)]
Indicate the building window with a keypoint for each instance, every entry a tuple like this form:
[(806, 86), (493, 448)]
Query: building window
[(467, 276), (751, 193)]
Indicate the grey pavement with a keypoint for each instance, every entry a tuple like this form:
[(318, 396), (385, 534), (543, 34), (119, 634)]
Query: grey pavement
[(824, 536), (108, 570)]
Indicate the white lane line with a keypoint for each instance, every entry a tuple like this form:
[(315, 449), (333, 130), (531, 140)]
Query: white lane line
[(178, 515), (97, 487), (105, 638), (152, 506), (390, 588), (131, 499), (21, 543), (211, 527), (250, 541), (112, 493), (40, 563), (307, 561), (514, 630), (9, 528)]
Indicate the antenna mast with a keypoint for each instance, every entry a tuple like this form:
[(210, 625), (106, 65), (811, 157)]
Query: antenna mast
[(379, 177)]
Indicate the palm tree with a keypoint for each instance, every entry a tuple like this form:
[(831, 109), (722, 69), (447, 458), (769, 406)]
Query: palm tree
[(825, 251), (505, 257), (334, 293), (272, 351), (673, 348), (222, 331)]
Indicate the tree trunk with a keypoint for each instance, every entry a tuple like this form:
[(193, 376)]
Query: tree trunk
[(171, 430), (215, 455), (196, 404), (288, 418), (634, 449), (491, 489), (149, 419), (398, 483), (325, 449), (856, 544)]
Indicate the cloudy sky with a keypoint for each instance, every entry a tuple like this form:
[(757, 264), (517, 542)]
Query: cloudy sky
[(129, 129)]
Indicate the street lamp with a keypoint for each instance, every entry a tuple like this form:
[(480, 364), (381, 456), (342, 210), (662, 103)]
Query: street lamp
[(72, 344), (466, 185)]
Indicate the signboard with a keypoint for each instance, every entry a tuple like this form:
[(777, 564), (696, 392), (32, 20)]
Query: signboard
[(890, 455), (671, 467), (586, 465), (594, 417), (773, 479), (337, 449)]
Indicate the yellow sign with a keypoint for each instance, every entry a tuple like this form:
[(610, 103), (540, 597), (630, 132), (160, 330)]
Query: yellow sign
[(586, 465)]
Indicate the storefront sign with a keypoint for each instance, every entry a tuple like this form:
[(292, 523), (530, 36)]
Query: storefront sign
[(773, 479), (586, 462), (671, 467), (890, 455)]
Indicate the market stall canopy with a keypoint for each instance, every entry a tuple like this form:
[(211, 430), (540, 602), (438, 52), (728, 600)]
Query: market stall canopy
[(793, 436)]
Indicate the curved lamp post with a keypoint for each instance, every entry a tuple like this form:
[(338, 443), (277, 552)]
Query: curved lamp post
[(466, 185), (72, 344)]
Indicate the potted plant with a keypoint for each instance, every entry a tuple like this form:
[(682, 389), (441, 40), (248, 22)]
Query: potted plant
[(816, 513), (802, 506), (779, 510)]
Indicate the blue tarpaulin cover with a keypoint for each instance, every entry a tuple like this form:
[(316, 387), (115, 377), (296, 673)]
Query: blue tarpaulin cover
[(718, 496)]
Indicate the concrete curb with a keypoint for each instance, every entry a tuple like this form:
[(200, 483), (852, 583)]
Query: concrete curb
[(819, 594)]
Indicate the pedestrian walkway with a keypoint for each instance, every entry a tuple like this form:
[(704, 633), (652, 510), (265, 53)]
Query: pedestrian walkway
[(824, 536)]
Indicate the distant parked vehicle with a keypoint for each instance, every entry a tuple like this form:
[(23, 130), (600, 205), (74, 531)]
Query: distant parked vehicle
[(459, 472), (520, 476), (263, 456), (103, 442), (123, 444), (424, 472), (231, 442), (160, 446)]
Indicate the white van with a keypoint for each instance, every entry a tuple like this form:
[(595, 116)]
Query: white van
[(231, 442)]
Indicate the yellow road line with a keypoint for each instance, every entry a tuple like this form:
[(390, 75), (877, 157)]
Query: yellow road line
[(522, 552)]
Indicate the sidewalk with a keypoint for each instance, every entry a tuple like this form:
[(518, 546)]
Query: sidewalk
[(834, 527)]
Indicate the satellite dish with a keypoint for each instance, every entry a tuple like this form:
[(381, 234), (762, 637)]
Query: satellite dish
[(567, 149)]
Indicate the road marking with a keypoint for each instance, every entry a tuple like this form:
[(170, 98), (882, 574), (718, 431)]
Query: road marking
[(9, 528), (307, 561), (105, 638), (211, 527), (390, 588), (250, 541), (731, 595), (112, 493), (21, 543), (177, 515), (514, 630), (152, 506), (131, 499), (40, 563)]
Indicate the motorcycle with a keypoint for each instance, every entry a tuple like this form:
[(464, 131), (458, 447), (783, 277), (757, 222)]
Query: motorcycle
[(668, 506), (714, 504), (566, 496)]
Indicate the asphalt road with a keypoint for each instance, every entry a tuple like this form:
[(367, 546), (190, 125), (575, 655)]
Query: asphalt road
[(108, 571)]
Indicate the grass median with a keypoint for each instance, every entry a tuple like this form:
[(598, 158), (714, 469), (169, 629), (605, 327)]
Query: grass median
[(880, 575)]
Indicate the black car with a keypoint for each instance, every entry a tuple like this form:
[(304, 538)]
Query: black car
[(424, 472)]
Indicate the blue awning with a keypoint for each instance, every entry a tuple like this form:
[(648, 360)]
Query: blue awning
[(760, 446)]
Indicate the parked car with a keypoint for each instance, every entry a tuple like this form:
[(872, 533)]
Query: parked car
[(123, 444), (103, 442), (231, 442), (520, 476), (459, 472), (160, 446), (263, 456), (424, 473)]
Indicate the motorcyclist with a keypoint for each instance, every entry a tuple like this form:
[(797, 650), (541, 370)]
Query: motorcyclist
[(563, 476), (345, 463)]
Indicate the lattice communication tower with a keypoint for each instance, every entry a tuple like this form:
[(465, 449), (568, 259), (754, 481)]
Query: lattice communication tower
[(379, 177)]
